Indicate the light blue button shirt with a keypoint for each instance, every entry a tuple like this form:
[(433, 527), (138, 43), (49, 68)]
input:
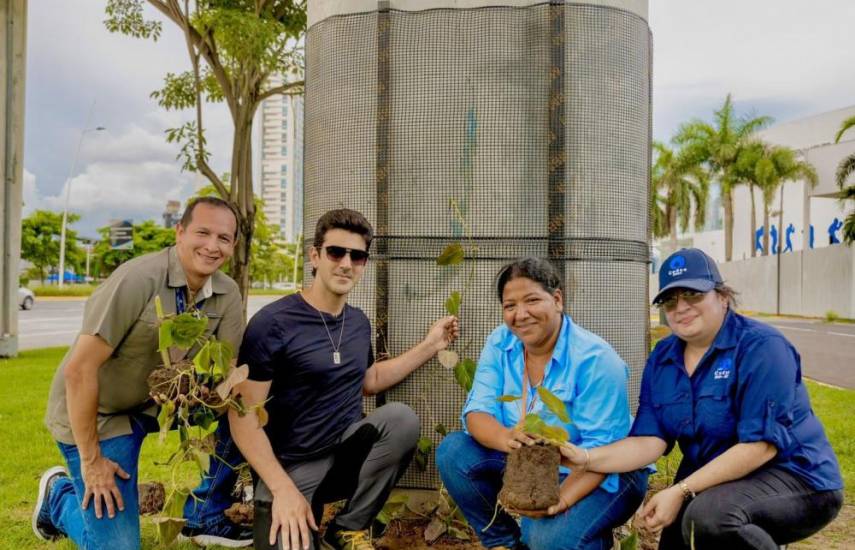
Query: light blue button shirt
[(585, 372)]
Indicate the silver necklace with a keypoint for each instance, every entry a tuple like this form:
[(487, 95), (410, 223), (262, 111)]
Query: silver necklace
[(336, 356)]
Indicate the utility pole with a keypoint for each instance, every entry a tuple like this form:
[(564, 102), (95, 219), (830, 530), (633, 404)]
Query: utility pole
[(13, 62)]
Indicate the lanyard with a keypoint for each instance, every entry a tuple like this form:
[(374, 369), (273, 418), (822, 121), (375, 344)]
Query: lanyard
[(181, 301), (527, 407)]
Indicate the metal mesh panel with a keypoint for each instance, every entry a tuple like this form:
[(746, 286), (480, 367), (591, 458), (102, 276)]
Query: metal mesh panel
[(407, 110)]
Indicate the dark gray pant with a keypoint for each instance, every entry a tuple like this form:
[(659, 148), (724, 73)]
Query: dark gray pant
[(763, 510), (363, 468)]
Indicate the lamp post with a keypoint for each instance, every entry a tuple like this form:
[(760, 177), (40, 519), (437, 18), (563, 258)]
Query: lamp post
[(67, 196)]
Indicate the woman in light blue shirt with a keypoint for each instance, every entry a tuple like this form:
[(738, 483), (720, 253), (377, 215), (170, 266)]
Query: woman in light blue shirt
[(539, 345)]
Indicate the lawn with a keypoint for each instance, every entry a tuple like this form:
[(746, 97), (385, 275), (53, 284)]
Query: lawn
[(28, 448)]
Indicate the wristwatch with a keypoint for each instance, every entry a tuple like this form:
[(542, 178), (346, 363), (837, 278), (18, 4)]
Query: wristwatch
[(688, 494)]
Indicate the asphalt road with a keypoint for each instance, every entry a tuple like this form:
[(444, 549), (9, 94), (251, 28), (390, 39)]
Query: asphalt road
[(827, 350), (56, 323)]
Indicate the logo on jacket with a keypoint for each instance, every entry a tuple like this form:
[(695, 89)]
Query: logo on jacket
[(677, 266), (722, 371)]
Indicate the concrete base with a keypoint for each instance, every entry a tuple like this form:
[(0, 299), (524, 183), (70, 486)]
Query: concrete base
[(9, 346)]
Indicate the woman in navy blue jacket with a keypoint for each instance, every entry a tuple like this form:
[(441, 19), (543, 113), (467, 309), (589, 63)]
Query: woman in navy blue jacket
[(757, 469)]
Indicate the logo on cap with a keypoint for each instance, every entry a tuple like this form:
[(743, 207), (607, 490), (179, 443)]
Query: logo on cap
[(677, 265)]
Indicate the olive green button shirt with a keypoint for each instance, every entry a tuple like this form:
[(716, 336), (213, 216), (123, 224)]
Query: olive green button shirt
[(121, 311)]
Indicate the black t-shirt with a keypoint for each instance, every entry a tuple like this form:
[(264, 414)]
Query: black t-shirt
[(312, 401)]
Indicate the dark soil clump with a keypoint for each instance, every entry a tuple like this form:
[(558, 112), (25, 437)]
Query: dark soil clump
[(531, 477), (152, 497), (166, 384)]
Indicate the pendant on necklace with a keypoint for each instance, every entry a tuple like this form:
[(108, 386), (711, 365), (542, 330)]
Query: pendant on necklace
[(336, 358)]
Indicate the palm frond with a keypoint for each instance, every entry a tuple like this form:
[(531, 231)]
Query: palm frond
[(845, 125), (844, 169), (849, 228)]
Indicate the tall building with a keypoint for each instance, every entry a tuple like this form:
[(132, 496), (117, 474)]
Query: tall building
[(281, 144)]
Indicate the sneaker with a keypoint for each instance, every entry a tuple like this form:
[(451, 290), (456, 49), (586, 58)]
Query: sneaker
[(347, 540), (43, 527), (227, 534)]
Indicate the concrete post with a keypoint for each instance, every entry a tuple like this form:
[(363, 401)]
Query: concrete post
[(13, 41)]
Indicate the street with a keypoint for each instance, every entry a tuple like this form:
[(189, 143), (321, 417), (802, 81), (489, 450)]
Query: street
[(827, 349), (56, 322)]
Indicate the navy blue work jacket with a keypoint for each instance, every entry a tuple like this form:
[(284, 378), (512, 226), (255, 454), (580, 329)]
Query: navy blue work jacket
[(747, 387)]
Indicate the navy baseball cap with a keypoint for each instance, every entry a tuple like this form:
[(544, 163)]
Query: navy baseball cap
[(688, 268)]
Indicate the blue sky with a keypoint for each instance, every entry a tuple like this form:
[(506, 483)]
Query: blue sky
[(784, 58)]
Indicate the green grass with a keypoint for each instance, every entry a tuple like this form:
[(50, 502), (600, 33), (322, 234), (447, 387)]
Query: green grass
[(67, 290), (28, 449), (269, 292)]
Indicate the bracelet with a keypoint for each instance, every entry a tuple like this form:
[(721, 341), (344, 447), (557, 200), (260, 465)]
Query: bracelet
[(587, 460), (688, 494)]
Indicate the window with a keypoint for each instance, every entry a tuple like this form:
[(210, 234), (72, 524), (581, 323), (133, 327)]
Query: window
[(284, 150)]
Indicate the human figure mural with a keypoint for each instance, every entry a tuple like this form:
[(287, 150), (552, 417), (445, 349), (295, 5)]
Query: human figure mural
[(789, 239), (758, 239), (832, 231), (810, 240)]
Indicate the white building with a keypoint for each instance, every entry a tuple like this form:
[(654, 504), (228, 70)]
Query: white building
[(281, 159), (803, 207)]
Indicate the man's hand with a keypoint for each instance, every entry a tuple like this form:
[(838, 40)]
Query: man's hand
[(100, 485), (292, 514), (661, 510), (442, 333)]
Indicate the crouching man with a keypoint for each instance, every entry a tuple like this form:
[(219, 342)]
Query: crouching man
[(310, 359)]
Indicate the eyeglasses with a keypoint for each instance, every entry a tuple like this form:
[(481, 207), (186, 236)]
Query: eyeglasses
[(337, 253), (692, 297)]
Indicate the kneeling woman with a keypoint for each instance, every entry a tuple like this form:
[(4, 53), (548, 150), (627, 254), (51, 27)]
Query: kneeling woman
[(757, 469), (541, 346)]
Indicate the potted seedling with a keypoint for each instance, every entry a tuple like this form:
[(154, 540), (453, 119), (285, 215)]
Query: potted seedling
[(530, 484), (191, 394)]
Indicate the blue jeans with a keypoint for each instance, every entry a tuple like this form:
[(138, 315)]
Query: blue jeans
[(204, 509), (87, 531), (472, 474)]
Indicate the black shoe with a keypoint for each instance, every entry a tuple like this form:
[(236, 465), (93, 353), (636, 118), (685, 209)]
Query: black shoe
[(43, 527), (226, 534)]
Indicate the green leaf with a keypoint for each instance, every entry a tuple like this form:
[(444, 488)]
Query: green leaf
[(533, 424), (630, 542), (556, 433), (164, 333), (458, 533), (424, 445), (222, 354), (452, 255), (441, 429), (174, 507), (202, 360), (508, 398), (203, 417), (187, 329), (168, 529), (554, 404), (452, 304), (203, 459), (464, 373)]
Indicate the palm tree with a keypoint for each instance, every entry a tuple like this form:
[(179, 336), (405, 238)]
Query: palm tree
[(777, 165), (844, 169), (679, 191), (718, 146), (746, 173)]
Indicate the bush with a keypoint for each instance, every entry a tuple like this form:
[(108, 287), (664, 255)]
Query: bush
[(831, 316), (67, 290)]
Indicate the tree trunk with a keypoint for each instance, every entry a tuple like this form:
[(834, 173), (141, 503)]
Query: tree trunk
[(753, 221), (727, 200), (242, 191), (765, 228), (672, 226)]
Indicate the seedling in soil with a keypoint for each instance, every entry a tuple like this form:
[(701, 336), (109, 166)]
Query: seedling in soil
[(191, 395), (530, 483)]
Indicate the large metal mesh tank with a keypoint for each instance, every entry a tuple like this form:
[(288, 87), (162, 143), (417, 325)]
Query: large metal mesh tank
[(533, 118)]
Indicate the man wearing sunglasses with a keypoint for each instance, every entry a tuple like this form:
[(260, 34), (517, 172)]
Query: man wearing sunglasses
[(311, 361)]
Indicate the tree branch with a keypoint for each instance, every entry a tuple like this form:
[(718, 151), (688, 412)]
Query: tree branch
[(280, 89), (206, 171)]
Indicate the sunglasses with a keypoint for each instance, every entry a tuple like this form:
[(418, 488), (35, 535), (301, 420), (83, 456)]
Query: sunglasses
[(669, 302), (337, 253)]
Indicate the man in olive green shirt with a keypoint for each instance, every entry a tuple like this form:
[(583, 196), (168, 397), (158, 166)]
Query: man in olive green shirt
[(99, 409)]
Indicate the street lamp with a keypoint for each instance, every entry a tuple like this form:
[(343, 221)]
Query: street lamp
[(65, 209)]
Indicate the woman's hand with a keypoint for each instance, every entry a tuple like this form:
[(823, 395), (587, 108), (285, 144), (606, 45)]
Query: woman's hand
[(515, 439), (574, 457), (661, 510)]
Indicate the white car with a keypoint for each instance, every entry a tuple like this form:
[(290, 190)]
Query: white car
[(26, 298)]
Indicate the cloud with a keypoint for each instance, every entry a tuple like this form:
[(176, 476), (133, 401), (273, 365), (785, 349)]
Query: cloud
[(32, 200)]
